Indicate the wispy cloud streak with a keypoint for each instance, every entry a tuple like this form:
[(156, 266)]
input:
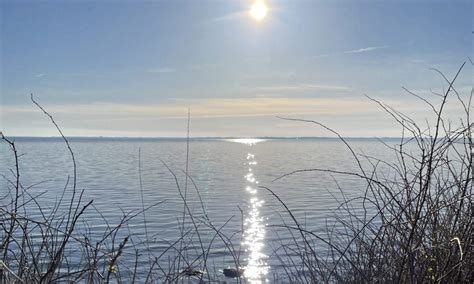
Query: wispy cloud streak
[(365, 49), (302, 87), (353, 51), (204, 108)]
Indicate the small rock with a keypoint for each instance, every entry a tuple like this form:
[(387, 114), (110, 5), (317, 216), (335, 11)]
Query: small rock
[(233, 273)]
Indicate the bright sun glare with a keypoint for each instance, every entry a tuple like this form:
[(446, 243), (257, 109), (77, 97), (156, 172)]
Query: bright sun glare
[(259, 10)]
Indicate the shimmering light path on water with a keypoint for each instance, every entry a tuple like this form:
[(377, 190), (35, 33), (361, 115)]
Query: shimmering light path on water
[(256, 267)]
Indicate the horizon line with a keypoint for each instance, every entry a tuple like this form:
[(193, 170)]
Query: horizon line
[(210, 137)]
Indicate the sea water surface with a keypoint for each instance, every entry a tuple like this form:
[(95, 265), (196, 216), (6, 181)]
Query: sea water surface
[(229, 174)]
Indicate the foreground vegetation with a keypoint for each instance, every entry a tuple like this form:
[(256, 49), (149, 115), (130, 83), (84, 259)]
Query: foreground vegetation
[(413, 222)]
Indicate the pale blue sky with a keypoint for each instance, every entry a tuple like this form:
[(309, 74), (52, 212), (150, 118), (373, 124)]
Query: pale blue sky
[(132, 68)]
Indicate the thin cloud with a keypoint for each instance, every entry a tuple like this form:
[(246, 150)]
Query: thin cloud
[(112, 119), (353, 51), (203, 108), (302, 87), (39, 75), (365, 49)]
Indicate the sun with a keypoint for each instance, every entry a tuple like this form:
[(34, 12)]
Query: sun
[(259, 10)]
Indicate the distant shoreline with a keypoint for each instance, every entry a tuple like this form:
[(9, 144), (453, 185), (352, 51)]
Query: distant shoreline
[(117, 138)]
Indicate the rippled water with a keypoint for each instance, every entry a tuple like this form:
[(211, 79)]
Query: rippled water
[(227, 173)]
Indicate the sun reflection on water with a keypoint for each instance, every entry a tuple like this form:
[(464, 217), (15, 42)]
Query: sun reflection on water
[(248, 141), (254, 234)]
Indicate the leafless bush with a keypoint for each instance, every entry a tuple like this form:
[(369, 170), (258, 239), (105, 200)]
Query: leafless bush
[(416, 222)]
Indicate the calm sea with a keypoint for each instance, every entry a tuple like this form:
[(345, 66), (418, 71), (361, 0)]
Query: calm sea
[(228, 174)]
